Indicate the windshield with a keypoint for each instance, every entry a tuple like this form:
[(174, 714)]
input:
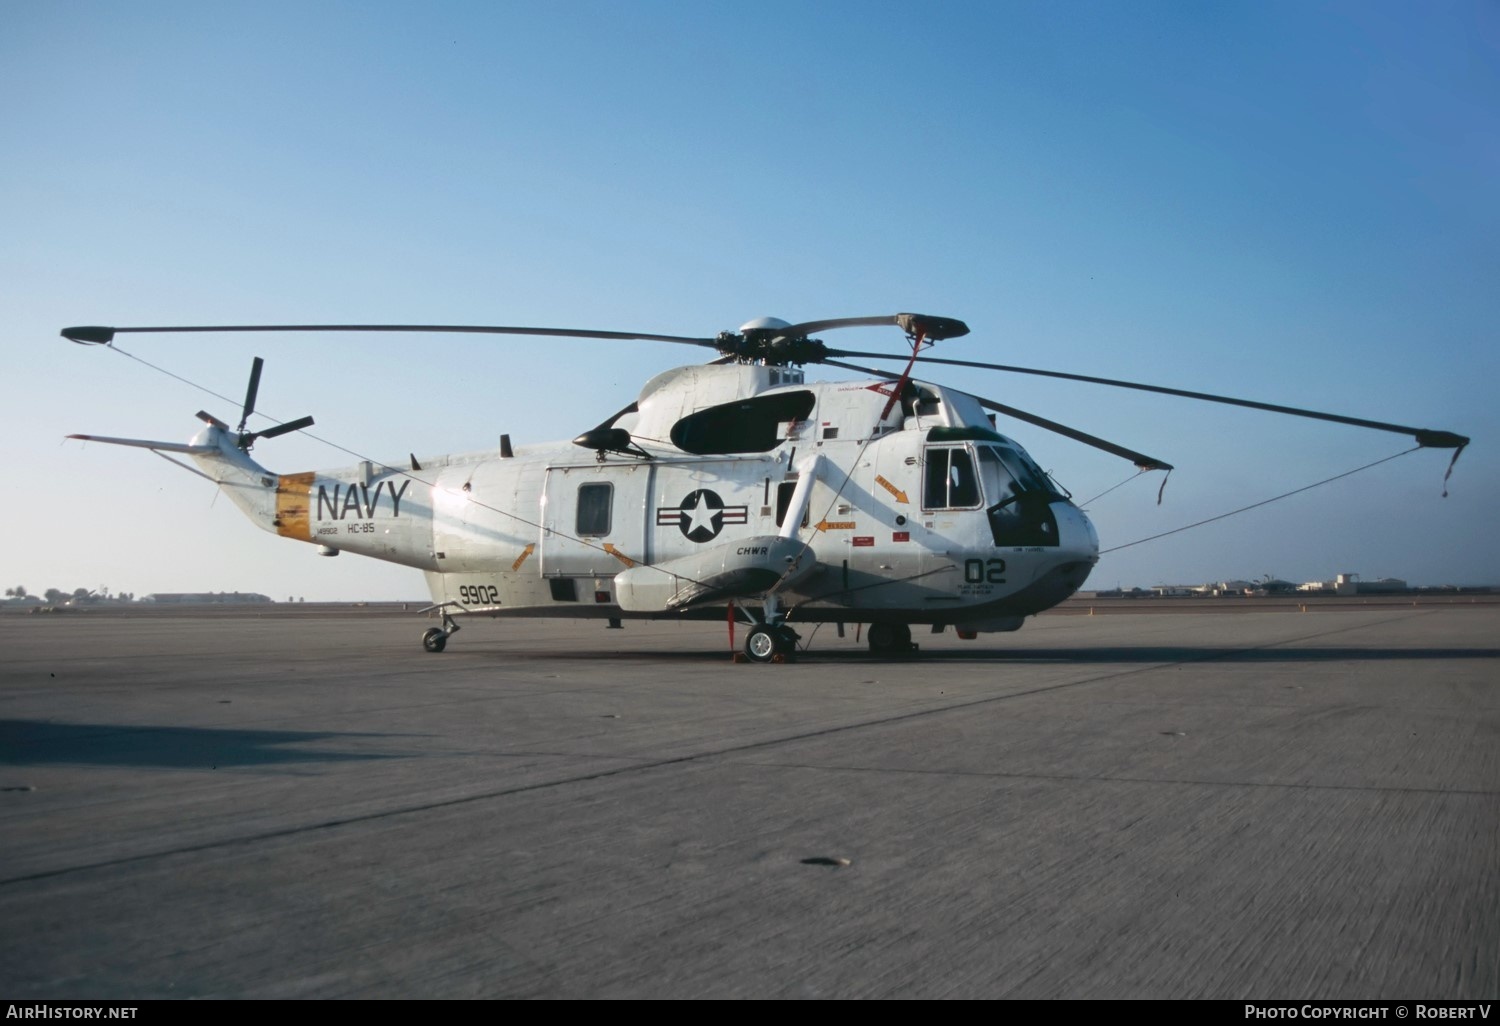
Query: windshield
[(1009, 472), (1020, 498)]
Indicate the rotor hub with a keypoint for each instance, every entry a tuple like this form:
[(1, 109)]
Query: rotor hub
[(766, 340)]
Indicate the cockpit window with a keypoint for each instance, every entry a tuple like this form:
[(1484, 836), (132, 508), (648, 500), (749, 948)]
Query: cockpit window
[(1002, 476), (1007, 472), (1020, 498), (999, 483), (950, 481), (1028, 475)]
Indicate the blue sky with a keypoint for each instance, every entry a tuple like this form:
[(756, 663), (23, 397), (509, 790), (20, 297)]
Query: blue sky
[(1293, 202)]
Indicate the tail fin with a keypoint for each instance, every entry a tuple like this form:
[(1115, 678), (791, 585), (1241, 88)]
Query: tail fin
[(141, 443), (216, 451), (275, 503)]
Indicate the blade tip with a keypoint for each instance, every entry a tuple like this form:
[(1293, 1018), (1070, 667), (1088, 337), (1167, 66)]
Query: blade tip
[(935, 329), (89, 335), (1429, 439)]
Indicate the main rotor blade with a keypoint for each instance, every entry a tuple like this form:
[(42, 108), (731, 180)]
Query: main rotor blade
[(251, 391), (104, 336), (934, 329), (1426, 437), (1141, 460)]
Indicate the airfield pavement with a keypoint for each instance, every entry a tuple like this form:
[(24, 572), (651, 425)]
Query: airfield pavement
[(249, 803)]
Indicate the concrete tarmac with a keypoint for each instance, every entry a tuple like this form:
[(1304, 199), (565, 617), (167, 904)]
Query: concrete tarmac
[(1266, 805)]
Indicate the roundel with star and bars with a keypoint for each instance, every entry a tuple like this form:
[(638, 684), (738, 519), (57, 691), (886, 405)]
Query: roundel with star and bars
[(701, 516)]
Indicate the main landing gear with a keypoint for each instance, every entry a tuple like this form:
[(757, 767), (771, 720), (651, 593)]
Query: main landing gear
[(890, 639), (770, 640), (771, 643), (435, 639)]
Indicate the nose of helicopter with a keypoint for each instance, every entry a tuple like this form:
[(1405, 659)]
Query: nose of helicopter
[(1077, 539), (1064, 567), (1073, 560)]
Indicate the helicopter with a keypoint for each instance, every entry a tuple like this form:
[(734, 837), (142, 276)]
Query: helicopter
[(734, 490)]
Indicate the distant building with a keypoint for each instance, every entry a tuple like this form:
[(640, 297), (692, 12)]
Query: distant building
[(183, 598), (1342, 584), (1220, 588), (1345, 584), (1350, 584)]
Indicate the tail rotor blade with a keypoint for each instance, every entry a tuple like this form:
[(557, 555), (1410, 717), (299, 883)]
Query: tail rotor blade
[(250, 392), (283, 429)]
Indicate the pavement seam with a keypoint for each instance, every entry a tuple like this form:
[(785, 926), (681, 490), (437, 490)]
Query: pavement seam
[(1079, 778)]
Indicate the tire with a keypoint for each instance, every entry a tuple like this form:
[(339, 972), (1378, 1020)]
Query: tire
[(434, 640), (889, 638), (762, 644)]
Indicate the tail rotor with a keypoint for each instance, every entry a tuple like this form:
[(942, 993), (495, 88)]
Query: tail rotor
[(245, 439)]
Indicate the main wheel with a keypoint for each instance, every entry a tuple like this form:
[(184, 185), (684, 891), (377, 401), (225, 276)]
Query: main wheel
[(889, 638), (762, 644), (434, 639)]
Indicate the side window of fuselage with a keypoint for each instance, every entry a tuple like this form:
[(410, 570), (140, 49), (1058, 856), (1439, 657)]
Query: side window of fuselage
[(594, 502), (949, 481)]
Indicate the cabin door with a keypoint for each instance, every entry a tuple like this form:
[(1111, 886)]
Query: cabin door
[(594, 519)]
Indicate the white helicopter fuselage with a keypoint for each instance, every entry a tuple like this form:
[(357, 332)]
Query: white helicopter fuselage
[(844, 503), (731, 485)]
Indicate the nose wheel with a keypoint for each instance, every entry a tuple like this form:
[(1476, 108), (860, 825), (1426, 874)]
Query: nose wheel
[(771, 643)]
